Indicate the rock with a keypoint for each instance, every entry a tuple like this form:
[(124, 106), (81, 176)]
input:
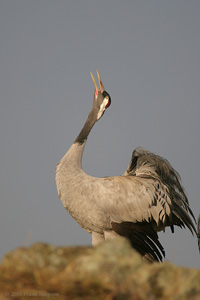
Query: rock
[(112, 271)]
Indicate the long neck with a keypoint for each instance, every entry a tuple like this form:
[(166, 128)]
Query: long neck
[(73, 158), (82, 137)]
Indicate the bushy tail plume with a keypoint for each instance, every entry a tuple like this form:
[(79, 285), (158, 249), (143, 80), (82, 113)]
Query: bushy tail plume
[(198, 231)]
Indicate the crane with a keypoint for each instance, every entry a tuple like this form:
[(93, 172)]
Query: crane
[(137, 204)]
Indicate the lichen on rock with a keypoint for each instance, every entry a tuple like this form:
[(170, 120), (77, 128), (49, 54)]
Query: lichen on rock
[(112, 271)]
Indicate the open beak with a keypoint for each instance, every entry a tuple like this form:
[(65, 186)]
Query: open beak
[(100, 83)]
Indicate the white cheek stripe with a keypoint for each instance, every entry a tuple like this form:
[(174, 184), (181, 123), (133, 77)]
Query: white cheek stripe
[(102, 108)]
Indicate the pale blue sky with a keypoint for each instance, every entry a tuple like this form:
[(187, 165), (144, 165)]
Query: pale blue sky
[(148, 54)]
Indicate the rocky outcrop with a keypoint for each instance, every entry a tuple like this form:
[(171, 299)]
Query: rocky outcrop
[(112, 271)]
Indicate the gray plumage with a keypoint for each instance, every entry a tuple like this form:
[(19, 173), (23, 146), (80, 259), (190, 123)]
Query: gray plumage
[(144, 200)]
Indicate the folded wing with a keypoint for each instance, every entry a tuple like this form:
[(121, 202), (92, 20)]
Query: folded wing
[(147, 198)]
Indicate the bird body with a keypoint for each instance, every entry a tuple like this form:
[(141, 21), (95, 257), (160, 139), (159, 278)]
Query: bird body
[(76, 190), (144, 200)]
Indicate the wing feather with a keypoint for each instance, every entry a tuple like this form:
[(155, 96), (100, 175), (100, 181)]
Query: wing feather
[(143, 238), (149, 190), (170, 193), (145, 199)]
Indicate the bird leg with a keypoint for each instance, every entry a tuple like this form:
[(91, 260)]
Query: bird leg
[(97, 238)]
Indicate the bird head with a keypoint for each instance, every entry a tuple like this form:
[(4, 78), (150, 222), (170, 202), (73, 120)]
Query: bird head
[(101, 100)]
